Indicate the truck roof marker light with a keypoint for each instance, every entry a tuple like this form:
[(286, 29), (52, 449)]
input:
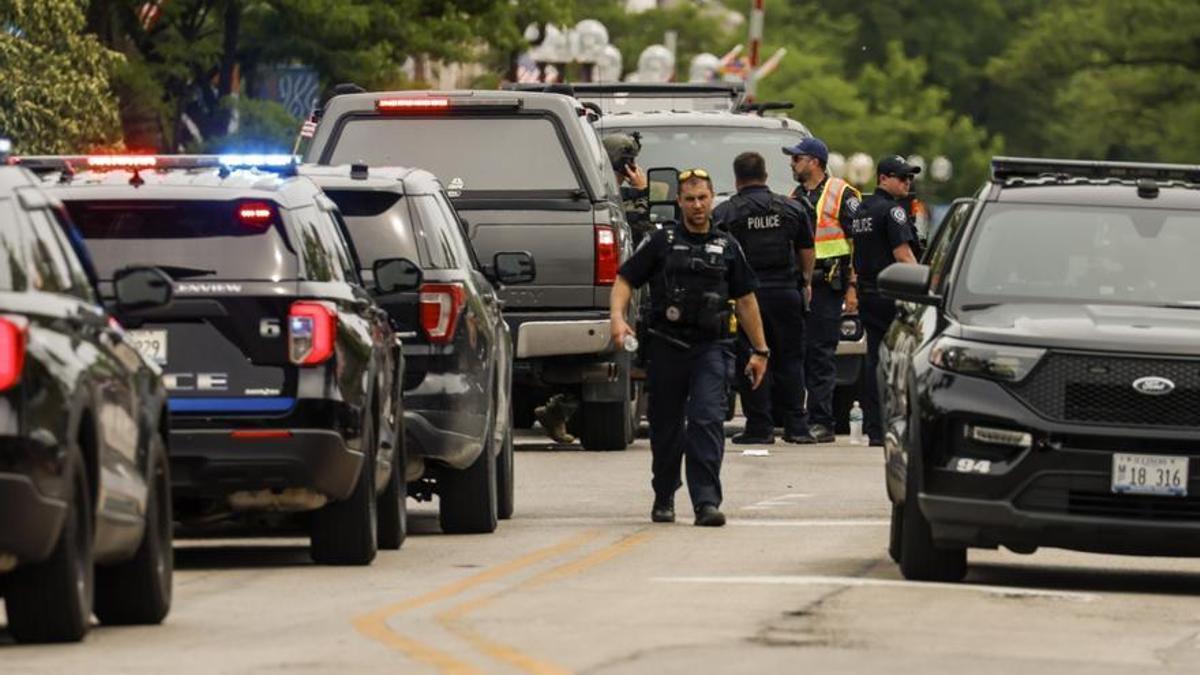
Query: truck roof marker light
[(411, 104)]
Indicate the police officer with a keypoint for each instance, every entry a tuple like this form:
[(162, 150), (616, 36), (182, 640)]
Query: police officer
[(622, 152), (831, 203), (776, 236), (882, 236), (693, 271)]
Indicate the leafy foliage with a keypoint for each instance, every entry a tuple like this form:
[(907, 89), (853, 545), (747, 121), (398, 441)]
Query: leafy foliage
[(56, 95)]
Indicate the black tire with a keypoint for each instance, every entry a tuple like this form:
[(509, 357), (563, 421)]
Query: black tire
[(392, 508), (468, 503), (604, 425), (51, 601), (920, 559), (138, 591), (897, 526), (505, 486), (346, 532)]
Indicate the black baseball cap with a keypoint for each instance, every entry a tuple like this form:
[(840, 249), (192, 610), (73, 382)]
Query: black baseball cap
[(896, 166)]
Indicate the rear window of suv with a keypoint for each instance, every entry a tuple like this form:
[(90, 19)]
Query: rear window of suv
[(202, 239), (484, 153)]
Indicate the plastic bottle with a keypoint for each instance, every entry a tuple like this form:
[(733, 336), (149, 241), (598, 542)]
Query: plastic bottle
[(856, 425), (630, 343)]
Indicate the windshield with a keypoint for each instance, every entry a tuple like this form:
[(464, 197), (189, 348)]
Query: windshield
[(1039, 253), (713, 149), (187, 238), (467, 153)]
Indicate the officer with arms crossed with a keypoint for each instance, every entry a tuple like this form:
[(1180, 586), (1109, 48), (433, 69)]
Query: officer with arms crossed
[(882, 236), (693, 272), (622, 152), (776, 236), (832, 204)]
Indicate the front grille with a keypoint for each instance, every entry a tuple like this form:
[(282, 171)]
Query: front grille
[(1099, 389), (1090, 496)]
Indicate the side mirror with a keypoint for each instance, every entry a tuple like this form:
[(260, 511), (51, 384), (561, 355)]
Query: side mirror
[(514, 267), (663, 184), (662, 214), (907, 282), (142, 288), (393, 275)]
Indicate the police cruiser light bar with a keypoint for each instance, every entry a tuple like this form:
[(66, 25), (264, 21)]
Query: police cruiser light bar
[(75, 163), (1009, 168)]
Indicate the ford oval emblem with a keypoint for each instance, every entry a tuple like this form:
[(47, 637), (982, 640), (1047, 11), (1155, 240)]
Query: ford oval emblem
[(1153, 386)]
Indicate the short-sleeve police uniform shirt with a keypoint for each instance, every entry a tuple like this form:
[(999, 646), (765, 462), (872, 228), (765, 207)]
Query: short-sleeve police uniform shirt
[(648, 259), (795, 220), (881, 226)]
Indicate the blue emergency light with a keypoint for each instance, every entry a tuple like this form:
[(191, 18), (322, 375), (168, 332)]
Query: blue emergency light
[(257, 161)]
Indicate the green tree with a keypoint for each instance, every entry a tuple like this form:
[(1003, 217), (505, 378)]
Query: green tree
[(56, 95)]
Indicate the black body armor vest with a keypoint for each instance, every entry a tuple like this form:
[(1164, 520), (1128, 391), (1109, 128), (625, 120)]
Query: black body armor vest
[(764, 236), (690, 296)]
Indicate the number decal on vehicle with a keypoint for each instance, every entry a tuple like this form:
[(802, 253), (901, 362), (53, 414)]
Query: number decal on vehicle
[(967, 465), (270, 328)]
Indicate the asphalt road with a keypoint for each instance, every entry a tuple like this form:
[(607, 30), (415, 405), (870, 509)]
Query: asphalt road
[(580, 580)]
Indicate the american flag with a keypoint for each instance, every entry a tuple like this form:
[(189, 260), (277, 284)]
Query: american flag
[(149, 13)]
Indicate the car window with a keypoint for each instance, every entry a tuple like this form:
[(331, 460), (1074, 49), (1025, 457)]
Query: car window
[(320, 261), (467, 153), (456, 233), (594, 149), (380, 226), (1089, 254), (331, 234), (195, 235), (48, 255), (12, 249), (438, 231), (939, 255)]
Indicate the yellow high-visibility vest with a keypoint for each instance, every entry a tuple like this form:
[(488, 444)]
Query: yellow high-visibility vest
[(831, 241)]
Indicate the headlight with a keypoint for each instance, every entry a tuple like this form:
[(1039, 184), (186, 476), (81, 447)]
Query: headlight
[(999, 362)]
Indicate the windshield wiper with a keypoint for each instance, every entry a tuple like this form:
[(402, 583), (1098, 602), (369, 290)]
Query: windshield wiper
[(1194, 304), (975, 306), (181, 272)]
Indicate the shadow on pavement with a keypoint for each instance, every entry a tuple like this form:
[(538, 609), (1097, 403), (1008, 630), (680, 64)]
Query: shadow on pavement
[(1063, 578)]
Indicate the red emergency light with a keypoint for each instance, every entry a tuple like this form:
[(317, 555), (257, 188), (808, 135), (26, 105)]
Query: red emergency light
[(122, 161), (394, 105)]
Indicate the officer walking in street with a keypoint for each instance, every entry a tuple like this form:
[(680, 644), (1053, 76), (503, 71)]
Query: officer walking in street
[(694, 271), (832, 204), (882, 236), (622, 152), (776, 236)]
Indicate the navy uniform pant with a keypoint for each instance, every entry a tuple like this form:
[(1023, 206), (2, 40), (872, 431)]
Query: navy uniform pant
[(782, 311), (687, 417), (822, 334), (877, 313)]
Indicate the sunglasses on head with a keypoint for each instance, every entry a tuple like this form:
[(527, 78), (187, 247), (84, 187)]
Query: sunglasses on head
[(692, 173)]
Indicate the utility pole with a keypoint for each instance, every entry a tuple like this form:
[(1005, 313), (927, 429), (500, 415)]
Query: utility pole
[(756, 30)]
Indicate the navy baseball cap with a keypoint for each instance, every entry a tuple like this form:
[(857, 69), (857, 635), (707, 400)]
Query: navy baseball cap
[(813, 147), (896, 166)]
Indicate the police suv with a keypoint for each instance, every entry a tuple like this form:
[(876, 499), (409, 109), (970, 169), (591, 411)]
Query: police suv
[(283, 373)]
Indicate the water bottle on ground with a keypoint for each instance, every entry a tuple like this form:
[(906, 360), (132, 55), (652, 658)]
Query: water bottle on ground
[(856, 425)]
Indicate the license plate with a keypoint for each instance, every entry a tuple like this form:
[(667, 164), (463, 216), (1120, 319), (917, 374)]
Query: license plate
[(151, 343), (1150, 475)]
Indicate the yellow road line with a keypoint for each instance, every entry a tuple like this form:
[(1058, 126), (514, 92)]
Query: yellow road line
[(374, 624), (451, 618)]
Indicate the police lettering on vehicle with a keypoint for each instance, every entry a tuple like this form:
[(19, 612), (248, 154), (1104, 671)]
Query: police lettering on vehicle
[(196, 381)]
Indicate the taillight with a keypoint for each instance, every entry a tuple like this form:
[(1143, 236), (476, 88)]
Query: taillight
[(13, 335), (311, 330), (607, 258), (255, 215), (440, 305)]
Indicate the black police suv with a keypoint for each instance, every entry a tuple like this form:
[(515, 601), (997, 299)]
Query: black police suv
[(283, 372), (85, 493), (457, 348), (1041, 383)]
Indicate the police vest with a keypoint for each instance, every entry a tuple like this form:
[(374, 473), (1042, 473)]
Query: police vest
[(764, 236), (830, 239), (690, 295)]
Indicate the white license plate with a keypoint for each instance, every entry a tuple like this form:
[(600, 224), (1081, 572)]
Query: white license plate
[(151, 343), (1150, 475)]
